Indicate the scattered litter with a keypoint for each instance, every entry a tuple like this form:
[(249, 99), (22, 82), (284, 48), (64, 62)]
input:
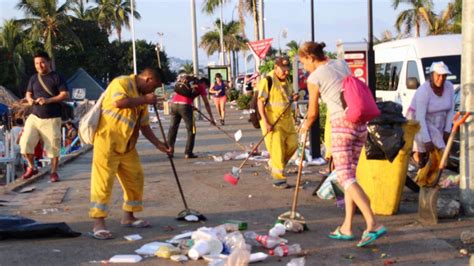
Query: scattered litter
[(166, 252), (306, 172), (256, 257), (297, 262), (255, 173), (467, 237), (450, 181), (241, 117), (448, 208), (246, 112), (191, 218), (179, 258), (215, 257), (383, 256), (259, 158), (177, 238), (218, 159), (56, 250), (241, 156), (238, 135), (200, 163), (125, 259), (234, 156), (150, 249), (27, 189), (49, 210), (250, 196), (348, 256), (134, 237), (389, 262), (464, 251)]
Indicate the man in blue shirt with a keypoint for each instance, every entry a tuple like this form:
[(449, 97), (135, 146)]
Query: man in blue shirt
[(45, 91)]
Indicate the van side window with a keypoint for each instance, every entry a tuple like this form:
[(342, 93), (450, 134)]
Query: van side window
[(413, 77), (388, 75)]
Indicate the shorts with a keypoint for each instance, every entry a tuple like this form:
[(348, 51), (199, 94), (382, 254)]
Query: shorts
[(48, 130), (219, 100)]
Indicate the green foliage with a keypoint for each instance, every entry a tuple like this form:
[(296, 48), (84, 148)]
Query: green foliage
[(243, 102), (233, 95), (323, 115)]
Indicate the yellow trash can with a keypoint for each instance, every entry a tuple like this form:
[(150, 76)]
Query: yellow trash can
[(383, 181)]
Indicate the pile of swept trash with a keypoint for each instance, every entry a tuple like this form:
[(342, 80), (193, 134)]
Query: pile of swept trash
[(221, 245)]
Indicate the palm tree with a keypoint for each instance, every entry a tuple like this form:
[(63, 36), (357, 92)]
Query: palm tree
[(114, 14), (248, 7), (80, 11), (47, 22), (187, 68), (457, 16), (293, 47), (11, 39), (232, 40), (442, 23), (416, 16)]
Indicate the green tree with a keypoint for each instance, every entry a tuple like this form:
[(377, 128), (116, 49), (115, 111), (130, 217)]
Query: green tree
[(13, 65), (443, 23), (417, 15), (293, 47), (187, 68), (81, 11), (114, 15), (47, 22)]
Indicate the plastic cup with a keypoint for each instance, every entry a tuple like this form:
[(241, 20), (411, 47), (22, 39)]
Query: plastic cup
[(231, 179), (204, 247)]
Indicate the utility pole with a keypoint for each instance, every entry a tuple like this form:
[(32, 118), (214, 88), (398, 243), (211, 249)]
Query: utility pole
[(315, 130), (195, 50), (370, 50), (134, 53), (261, 30), (467, 105)]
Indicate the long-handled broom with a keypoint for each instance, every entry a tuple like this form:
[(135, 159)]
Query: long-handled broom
[(296, 219), (222, 130), (234, 176), (187, 211)]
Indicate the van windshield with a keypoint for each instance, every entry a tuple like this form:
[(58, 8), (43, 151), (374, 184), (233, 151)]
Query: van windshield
[(452, 61)]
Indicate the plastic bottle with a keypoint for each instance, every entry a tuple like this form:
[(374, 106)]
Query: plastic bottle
[(284, 250), (277, 230), (264, 240)]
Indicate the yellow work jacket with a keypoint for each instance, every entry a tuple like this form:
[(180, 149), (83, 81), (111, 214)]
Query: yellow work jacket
[(120, 126), (278, 99)]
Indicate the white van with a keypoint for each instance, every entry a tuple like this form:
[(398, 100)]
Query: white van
[(402, 65)]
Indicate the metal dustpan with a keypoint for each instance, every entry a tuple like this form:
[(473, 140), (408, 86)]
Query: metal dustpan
[(190, 215), (428, 198)]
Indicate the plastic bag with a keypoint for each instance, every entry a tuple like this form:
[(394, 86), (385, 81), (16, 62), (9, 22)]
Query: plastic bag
[(239, 250), (326, 192), (12, 226), (388, 138)]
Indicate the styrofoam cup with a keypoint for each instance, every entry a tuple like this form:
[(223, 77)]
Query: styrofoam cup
[(204, 247)]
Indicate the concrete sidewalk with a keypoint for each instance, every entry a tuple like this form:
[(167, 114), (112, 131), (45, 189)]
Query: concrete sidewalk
[(253, 200)]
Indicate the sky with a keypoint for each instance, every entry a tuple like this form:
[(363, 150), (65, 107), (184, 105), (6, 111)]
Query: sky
[(334, 19)]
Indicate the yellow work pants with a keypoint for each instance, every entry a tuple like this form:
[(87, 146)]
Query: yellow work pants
[(281, 143), (106, 165)]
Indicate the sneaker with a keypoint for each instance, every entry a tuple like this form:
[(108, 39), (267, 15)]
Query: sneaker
[(280, 184), (29, 173), (317, 161), (54, 177), (190, 156)]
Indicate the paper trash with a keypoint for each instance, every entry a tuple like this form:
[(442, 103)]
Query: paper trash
[(125, 259)]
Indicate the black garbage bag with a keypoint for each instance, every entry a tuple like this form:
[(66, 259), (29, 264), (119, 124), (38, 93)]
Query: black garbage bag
[(372, 150), (388, 138), (390, 113), (12, 226)]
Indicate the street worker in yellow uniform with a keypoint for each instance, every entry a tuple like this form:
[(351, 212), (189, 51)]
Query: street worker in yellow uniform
[(124, 114), (282, 140)]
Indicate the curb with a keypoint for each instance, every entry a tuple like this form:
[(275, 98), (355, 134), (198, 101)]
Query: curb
[(19, 183)]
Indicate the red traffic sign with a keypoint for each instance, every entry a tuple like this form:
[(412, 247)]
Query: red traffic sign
[(260, 48)]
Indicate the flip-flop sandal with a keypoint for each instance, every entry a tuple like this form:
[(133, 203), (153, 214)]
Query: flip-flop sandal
[(381, 231), (101, 234), (340, 236), (370, 237), (138, 224)]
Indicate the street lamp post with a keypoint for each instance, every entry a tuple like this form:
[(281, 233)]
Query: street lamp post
[(315, 131), (221, 37), (132, 4), (283, 33)]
